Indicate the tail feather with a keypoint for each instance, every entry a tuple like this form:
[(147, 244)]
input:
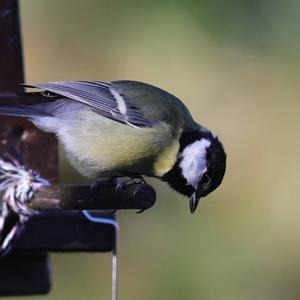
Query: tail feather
[(22, 111)]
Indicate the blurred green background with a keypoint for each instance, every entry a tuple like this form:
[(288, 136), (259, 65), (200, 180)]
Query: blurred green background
[(235, 64)]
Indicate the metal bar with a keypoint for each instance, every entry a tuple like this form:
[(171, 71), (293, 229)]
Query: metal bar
[(114, 262)]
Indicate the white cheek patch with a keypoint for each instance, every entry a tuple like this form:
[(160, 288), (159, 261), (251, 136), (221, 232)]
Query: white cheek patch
[(194, 164)]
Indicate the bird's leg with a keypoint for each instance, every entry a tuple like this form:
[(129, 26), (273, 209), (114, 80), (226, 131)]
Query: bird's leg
[(118, 182)]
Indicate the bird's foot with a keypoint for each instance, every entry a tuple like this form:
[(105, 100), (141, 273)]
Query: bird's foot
[(120, 183), (103, 183), (123, 183)]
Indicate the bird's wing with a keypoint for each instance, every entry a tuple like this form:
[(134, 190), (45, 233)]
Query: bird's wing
[(102, 97)]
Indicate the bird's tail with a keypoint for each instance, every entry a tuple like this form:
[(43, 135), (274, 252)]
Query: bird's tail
[(22, 111)]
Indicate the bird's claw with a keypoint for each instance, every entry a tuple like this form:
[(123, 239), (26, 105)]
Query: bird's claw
[(120, 184)]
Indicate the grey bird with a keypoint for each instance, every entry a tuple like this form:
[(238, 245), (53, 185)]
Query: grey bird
[(128, 128)]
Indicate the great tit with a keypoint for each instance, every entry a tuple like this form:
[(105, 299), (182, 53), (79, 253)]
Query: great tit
[(128, 128)]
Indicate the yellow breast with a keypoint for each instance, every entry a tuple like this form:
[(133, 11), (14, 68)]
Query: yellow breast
[(166, 160)]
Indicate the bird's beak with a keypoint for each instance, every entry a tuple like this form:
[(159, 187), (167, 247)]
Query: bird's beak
[(194, 201)]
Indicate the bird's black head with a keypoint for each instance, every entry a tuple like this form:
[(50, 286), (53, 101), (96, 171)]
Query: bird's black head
[(200, 166)]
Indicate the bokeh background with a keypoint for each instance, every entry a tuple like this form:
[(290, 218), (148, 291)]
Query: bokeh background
[(235, 63)]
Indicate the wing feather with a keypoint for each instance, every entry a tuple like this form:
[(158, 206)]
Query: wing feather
[(102, 97)]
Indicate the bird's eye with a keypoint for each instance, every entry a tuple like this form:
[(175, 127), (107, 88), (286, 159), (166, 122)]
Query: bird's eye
[(206, 179)]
